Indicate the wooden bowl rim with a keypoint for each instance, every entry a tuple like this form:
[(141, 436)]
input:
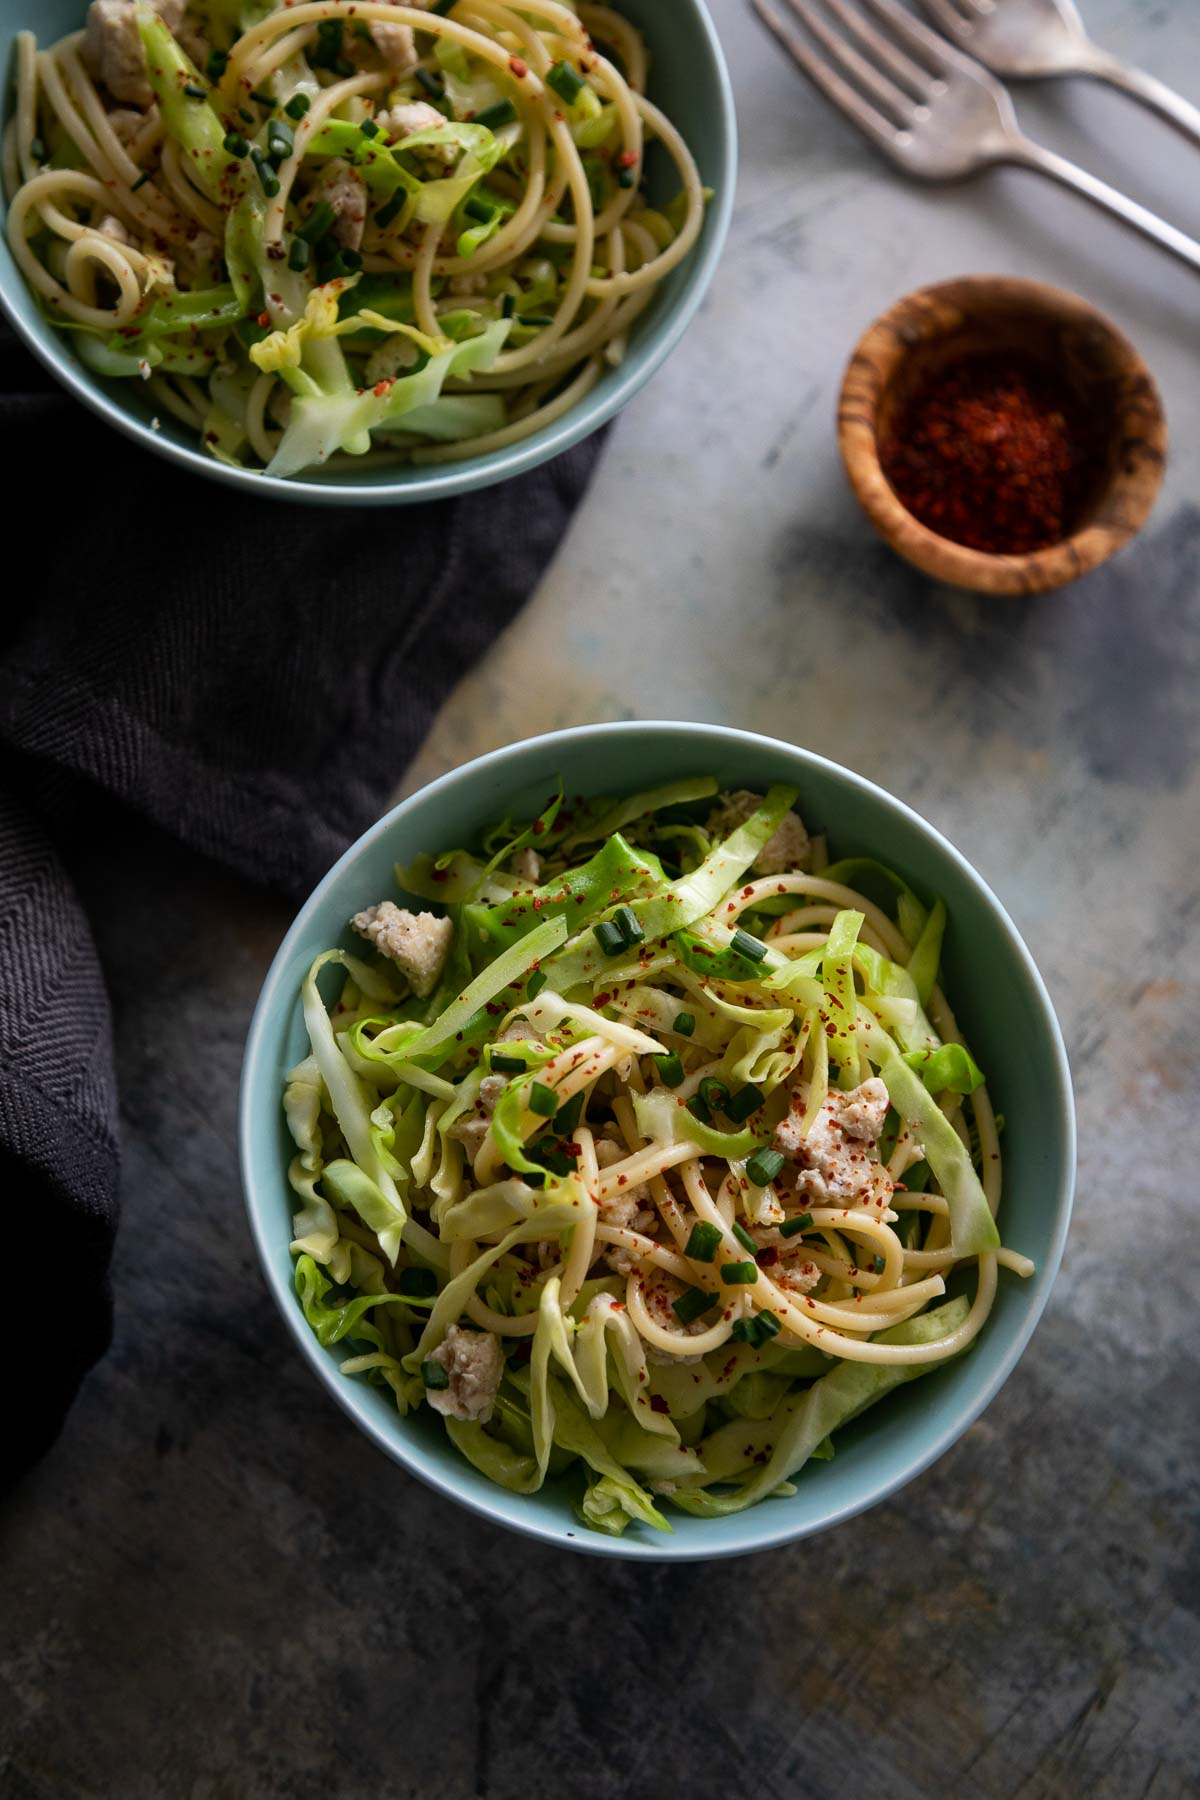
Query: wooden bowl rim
[(1126, 502)]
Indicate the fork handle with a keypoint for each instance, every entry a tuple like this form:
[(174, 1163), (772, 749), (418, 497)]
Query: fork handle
[(1032, 156), (1150, 91)]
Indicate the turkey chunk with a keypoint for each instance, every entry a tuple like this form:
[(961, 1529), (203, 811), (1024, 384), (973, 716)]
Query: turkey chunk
[(112, 48), (474, 1362), (391, 360), (526, 865), (414, 115), (418, 943), (396, 45), (788, 849), (836, 1160), (344, 189), (471, 1128)]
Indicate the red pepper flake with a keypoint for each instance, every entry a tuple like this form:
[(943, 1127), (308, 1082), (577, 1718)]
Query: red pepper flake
[(658, 1404), (628, 159), (995, 452), (264, 319), (381, 388), (519, 69)]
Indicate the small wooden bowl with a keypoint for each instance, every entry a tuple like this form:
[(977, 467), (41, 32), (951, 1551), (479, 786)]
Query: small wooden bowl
[(935, 326)]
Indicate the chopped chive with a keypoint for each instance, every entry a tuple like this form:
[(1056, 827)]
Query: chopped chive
[(433, 1374), (670, 1068), (629, 925), (194, 92), (392, 209), (317, 223), (543, 1100), (744, 1102), (739, 1274), (756, 1330), (699, 1110), (535, 984), (704, 1242), (493, 117), (369, 128), (236, 144), (608, 937), (714, 1093), (280, 142), (248, 117), (878, 1265), (793, 1227), (346, 262), (692, 1303), (558, 1162), (539, 320), (507, 1065), (567, 1117), (141, 181), (417, 1283), (743, 1237), (266, 174), (263, 99), (433, 84), (297, 106), (764, 1166), (218, 62), (684, 1023), (300, 254), (566, 82), (752, 948), (626, 179)]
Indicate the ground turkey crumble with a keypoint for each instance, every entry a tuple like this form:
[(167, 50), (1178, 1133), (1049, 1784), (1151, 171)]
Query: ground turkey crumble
[(788, 849), (474, 1362), (836, 1159), (418, 943)]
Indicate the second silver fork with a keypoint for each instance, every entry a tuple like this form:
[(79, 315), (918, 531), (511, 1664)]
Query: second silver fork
[(935, 112)]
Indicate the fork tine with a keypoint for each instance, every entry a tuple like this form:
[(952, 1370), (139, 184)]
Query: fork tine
[(936, 53), (847, 99), (865, 74), (916, 79), (945, 16)]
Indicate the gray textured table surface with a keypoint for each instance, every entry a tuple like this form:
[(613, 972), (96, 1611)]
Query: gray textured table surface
[(213, 1587)]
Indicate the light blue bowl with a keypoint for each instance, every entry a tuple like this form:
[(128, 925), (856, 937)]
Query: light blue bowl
[(688, 80), (992, 983)]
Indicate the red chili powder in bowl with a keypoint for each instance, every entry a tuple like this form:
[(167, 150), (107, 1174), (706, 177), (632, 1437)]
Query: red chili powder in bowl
[(993, 451)]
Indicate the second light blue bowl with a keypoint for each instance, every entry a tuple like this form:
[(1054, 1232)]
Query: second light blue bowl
[(688, 80), (990, 979)]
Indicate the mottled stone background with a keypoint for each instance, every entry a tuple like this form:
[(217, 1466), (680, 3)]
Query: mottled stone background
[(214, 1588)]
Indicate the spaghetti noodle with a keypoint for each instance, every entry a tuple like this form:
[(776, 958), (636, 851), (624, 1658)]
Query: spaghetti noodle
[(343, 227)]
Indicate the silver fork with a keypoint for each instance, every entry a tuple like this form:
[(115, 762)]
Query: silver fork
[(1031, 38), (931, 109)]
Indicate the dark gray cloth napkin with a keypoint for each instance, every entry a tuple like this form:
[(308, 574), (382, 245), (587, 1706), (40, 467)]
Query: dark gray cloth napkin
[(251, 677)]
